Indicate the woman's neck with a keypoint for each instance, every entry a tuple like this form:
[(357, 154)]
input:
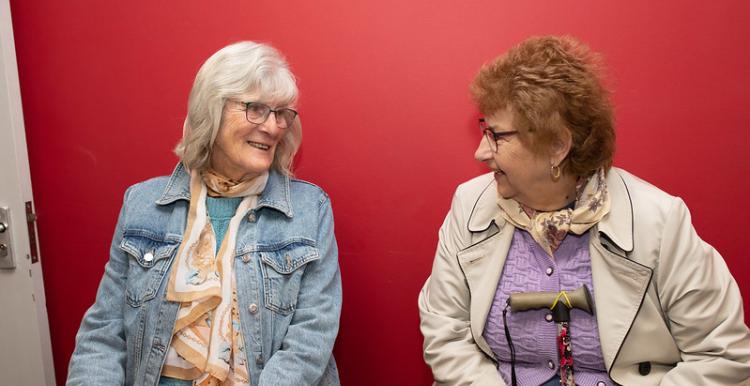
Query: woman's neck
[(553, 196), (233, 174)]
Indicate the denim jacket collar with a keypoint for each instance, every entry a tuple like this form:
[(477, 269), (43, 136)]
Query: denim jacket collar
[(275, 195)]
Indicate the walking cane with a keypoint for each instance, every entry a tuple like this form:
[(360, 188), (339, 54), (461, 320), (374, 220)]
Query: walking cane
[(560, 303)]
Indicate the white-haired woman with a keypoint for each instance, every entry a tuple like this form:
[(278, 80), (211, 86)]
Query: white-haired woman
[(225, 272)]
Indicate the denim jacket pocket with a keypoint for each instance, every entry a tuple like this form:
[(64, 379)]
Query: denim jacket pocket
[(282, 270), (147, 265)]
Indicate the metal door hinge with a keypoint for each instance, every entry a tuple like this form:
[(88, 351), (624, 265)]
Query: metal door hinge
[(31, 223)]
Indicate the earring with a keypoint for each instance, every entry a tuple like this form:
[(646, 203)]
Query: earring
[(555, 172)]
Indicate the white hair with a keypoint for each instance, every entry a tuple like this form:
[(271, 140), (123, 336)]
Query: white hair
[(233, 71)]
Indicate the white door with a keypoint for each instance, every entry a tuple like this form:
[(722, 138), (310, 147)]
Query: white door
[(25, 350)]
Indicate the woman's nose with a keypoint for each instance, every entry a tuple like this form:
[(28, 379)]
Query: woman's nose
[(271, 125), (483, 152)]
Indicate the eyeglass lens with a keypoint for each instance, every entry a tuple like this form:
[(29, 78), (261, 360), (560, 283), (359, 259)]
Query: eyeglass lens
[(258, 113), (488, 135)]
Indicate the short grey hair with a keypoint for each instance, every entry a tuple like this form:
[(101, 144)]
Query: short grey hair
[(232, 71)]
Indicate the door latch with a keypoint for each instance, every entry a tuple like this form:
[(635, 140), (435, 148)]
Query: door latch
[(6, 250)]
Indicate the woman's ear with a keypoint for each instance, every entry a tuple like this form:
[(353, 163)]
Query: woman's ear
[(561, 147)]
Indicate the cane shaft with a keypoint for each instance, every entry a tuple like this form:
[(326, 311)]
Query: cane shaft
[(565, 354)]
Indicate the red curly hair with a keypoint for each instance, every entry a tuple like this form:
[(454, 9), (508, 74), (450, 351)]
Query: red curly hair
[(551, 84)]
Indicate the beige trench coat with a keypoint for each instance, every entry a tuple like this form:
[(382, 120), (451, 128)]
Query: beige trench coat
[(662, 295)]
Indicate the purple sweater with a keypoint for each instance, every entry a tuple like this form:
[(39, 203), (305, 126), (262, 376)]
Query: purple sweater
[(528, 268)]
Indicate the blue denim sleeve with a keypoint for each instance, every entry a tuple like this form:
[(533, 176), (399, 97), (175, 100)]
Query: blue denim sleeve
[(306, 349), (100, 352)]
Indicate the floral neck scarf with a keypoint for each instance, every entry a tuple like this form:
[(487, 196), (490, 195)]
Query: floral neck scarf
[(220, 186), (550, 228), (207, 346)]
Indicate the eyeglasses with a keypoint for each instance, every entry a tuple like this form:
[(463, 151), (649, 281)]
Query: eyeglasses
[(258, 113), (492, 136)]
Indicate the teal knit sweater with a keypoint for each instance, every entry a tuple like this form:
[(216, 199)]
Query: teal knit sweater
[(220, 211)]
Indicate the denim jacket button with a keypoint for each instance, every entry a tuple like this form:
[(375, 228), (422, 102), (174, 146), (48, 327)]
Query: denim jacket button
[(259, 359), (245, 258), (251, 217), (253, 308), (148, 256)]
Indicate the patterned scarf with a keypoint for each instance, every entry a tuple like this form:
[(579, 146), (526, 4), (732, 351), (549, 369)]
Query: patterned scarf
[(207, 346), (220, 186), (550, 228)]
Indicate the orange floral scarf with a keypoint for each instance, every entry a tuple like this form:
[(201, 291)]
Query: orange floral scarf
[(207, 346)]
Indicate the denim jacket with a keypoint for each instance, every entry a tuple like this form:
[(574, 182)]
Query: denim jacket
[(288, 281)]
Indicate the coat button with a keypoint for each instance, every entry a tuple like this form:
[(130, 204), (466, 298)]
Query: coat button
[(245, 258), (253, 308), (251, 217), (644, 368), (148, 256), (549, 271), (259, 359), (551, 365), (548, 317)]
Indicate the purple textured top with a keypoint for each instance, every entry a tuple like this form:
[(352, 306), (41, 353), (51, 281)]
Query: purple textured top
[(534, 334)]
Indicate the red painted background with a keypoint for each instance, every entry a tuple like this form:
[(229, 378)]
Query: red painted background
[(389, 129)]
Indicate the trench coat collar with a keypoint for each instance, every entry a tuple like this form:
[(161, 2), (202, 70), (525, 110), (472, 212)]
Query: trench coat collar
[(617, 225), (276, 195)]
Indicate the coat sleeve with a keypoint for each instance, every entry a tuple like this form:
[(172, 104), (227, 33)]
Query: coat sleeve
[(307, 347), (100, 351), (703, 304), (444, 305)]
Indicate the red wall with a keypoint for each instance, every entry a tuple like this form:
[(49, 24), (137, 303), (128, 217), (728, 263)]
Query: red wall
[(389, 127)]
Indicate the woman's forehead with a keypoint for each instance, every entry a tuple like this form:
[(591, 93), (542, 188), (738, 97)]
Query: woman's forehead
[(500, 119), (271, 99)]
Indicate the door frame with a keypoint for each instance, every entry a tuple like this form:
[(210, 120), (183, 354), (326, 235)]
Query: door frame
[(26, 355)]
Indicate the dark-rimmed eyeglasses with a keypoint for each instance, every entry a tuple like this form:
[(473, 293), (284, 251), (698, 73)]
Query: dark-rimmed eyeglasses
[(258, 113), (493, 136)]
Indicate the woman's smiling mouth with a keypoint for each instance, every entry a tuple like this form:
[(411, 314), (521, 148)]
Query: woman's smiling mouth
[(258, 145)]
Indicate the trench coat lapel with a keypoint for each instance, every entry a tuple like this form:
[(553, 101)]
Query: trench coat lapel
[(482, 262), (620, 284)]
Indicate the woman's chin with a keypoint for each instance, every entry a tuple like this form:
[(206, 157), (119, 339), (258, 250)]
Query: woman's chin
[(257, 170), (505, 192), (256, 165), (503, 189)]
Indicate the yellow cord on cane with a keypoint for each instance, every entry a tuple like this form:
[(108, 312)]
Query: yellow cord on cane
[(557, 298)]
